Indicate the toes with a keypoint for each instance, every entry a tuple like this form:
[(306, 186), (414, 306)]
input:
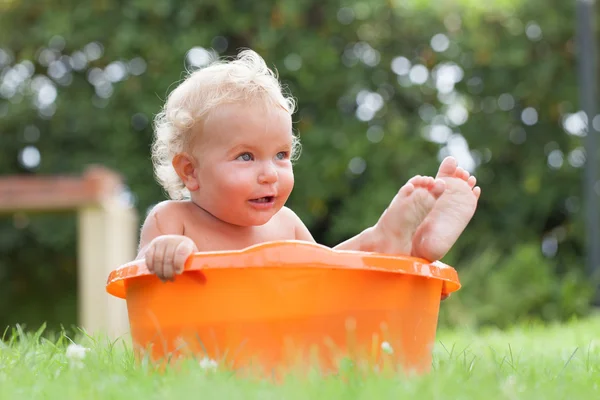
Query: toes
[(462, 174), (407, 189), (447, 168), (422, 181), (437, 188), (477, 191), (416, 180), (472, 181)]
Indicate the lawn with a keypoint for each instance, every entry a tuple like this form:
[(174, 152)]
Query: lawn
[(533, 362)]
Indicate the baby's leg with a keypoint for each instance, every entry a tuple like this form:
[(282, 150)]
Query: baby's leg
[(406, 213), (450, 215)]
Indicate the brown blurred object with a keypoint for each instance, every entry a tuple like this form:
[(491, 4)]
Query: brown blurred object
[(107, 233), (52, 193)]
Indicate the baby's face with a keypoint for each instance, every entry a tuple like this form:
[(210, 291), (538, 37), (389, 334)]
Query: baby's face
[(244, 169)]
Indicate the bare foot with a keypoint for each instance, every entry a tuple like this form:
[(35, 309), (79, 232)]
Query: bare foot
[(407, 211), (450, 215)]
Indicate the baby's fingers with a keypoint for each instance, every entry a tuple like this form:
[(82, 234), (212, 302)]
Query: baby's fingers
[(159, 260), (149, 259), (168, 267), (182, 252)]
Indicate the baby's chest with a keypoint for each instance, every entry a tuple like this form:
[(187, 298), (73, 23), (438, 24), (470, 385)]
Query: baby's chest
[(210, 240)]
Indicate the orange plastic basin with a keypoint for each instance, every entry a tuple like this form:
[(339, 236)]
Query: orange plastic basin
[(279, 304)]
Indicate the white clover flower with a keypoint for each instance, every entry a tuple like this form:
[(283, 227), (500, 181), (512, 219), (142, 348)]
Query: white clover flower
[(76, 353), (510, 387), (387, 348), (208, 364)]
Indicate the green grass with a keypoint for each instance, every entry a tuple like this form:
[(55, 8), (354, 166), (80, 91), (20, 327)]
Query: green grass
[(534, 362)]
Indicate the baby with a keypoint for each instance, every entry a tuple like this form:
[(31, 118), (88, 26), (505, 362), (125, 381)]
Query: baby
[(223, 150)]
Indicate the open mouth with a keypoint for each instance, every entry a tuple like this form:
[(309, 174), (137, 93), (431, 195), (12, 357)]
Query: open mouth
[(267, 199)]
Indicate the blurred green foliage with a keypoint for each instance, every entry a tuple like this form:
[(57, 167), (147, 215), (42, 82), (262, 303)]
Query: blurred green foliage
[(385, 90)]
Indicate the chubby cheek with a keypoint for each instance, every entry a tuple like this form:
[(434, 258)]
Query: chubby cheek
[(286, 182), (237, 183)]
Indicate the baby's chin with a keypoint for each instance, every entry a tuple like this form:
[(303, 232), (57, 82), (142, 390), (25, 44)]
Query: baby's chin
[(257, 221), (248, 221)]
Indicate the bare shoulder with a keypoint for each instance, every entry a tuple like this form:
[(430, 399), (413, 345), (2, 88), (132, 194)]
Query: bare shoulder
[(301, 232), (165, 218), (169, 206), (168, 212), (287, 214), (288, 217)]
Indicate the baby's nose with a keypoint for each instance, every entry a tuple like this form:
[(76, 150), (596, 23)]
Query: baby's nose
[(268, 174)]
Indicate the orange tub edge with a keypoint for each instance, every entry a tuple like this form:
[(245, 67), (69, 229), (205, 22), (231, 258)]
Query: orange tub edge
[(311, 254)]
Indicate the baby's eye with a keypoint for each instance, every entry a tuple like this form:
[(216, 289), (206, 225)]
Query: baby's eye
[(245, 157), (282, 155)]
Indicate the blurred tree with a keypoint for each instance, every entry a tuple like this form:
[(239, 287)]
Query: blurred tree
[(385, 90)]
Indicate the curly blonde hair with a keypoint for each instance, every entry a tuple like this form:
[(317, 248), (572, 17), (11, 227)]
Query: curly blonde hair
[(244, 78)]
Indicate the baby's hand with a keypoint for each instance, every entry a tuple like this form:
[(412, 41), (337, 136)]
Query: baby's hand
[(166, 255)]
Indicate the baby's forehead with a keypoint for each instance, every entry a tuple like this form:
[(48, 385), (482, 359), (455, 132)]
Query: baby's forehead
[(249, 112), (247, 122)]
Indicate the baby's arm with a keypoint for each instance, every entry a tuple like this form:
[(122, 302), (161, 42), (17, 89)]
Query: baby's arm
[(162, 244), (368, 240)]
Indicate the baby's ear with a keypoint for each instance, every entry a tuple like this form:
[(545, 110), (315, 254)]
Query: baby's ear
[(186, 169)]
